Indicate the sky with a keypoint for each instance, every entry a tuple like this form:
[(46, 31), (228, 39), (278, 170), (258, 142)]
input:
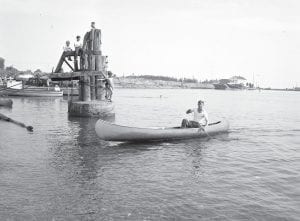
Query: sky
[(202, 39)]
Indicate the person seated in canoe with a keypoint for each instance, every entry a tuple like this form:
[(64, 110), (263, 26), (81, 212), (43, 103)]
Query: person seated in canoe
[(200, 119)]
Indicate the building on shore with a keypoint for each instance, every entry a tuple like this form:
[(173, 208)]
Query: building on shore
[(235, 82)]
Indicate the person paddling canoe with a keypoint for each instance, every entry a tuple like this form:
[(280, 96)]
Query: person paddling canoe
[(200, 119)]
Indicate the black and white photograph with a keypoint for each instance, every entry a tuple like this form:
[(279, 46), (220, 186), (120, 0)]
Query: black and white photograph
[(150, 110)]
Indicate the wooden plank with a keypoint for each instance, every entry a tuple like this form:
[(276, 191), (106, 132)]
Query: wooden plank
[(60, 63), (75, 75), (62, 59), (69, 53), (68, 64)]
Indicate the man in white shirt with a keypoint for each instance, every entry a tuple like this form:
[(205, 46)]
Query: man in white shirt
[(78, 52), (200, 119), (78, 43)]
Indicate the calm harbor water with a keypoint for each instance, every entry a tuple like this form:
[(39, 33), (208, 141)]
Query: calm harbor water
[(62, 171)]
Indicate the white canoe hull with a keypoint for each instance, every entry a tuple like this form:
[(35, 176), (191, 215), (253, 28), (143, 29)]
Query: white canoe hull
[(113, 132)]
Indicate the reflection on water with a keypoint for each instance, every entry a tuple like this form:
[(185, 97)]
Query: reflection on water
[(63, 171), (6, 109), (82, 158)]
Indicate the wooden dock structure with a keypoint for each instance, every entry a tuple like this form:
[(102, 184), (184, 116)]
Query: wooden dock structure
[(89, 67)]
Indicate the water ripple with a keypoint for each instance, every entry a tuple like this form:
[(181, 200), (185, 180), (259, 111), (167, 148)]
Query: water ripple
[(63, 171)]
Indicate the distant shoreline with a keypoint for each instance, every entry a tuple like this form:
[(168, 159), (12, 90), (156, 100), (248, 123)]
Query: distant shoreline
[(156, 88), (151, 86), (142, 83)]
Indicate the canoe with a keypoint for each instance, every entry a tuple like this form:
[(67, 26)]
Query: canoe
[(113, 132)]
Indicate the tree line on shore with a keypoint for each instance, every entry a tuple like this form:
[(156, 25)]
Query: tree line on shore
[(11, 71), (163, 78)]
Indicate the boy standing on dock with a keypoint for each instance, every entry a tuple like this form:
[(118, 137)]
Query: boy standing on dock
[(78, 52)]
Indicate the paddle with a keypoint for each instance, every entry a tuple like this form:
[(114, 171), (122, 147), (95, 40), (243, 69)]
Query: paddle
[(5, 118), (201, 128)]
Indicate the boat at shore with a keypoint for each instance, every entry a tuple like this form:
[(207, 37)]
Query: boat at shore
[(113, 132), (5, 102), (236, 86), (220, 86), (68, 91), (32, 92), (16, 88)]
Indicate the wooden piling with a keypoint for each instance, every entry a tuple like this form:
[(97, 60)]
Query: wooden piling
[(93, 88), (87, 88), (90, 86), (98, 63), (81, 88)]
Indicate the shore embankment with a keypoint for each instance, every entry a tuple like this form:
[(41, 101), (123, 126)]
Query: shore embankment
[(123, 82)]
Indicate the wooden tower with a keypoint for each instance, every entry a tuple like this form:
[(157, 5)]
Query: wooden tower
[(89, 67)]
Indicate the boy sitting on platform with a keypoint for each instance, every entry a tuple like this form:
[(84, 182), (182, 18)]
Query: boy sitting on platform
[(68, 48)]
